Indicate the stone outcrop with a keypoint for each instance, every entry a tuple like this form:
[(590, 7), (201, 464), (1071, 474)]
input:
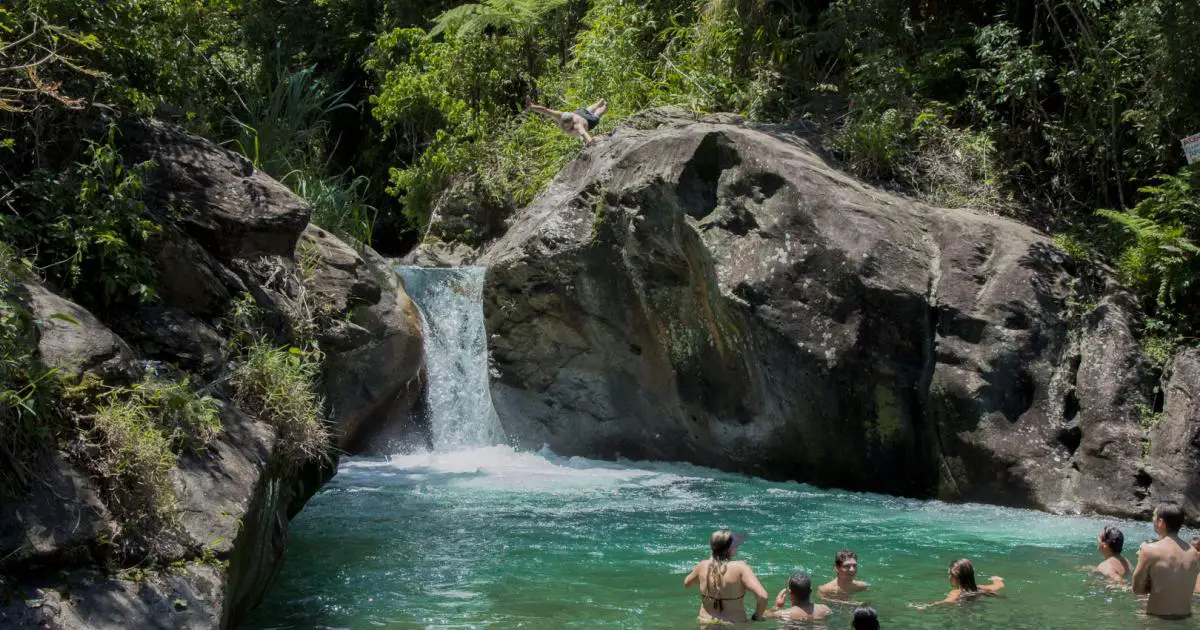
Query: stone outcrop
[(701, 289), (1175, 438), (236, 231)]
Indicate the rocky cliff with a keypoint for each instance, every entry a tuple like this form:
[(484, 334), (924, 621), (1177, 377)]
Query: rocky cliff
[(241, 233), (701, 289)]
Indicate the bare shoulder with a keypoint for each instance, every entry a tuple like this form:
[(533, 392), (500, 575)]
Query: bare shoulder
[(822, 609)]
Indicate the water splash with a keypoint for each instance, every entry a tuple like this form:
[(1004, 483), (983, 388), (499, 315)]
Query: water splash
[(458, 395)]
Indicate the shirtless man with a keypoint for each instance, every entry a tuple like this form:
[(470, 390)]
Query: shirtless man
[(1167, 568), (845, 565), (1196, 546), (576, 123), (799, 590), (1114, 566)]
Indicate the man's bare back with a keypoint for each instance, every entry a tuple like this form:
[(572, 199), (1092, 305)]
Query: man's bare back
[(1167, 569), (809, 612)]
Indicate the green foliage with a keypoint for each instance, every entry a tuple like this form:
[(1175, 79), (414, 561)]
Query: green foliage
[(1162, 256), (338, 205), (87, 225), (25, 385), (282, 124), (133, 436), (1072, 247), (279, 385)]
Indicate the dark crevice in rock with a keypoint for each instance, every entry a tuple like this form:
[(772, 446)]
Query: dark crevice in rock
[(1070, 436), (701, 175)]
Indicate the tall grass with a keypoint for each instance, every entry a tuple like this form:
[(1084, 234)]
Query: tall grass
[(338, 205), (283, 125), (133, 436), (279, 385)]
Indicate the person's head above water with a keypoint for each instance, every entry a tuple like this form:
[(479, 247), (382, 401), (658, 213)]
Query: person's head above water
[(1111, 539), (865, 619), (800, 588), (1168, 518), (724, 543), (845, 563), (962, 575)]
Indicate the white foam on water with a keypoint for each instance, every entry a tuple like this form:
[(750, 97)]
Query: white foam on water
[(504, 469)]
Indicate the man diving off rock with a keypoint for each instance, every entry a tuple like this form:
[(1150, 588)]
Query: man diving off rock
[(576, 123)]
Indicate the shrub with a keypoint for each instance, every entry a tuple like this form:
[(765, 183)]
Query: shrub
[(1162, 235), (25, 387), (133, 435), (338, 205), (85, 227), (279, 386)]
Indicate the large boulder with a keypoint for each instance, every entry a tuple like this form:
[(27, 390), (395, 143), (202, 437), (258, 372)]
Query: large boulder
[(72, 341), (1175, 439), (374, 359), (228, 231), (701, 289)]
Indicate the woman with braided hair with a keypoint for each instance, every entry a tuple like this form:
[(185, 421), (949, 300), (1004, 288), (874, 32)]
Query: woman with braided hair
[(724, 581)]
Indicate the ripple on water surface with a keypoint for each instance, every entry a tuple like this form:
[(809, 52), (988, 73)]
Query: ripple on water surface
[(494, 538)]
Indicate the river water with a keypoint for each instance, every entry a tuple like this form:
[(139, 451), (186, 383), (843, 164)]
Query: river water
[(477, 536)]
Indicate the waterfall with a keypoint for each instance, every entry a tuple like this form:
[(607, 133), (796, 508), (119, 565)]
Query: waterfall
[(458, 394)]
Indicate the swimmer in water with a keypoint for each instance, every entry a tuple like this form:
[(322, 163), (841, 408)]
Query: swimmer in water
[(865, 618), (724, 581), (962, 585), (799, 590), (1114, 566), (1167, 569), (844, 586)]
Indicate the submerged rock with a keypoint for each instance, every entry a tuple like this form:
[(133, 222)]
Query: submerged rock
[(701, 289)]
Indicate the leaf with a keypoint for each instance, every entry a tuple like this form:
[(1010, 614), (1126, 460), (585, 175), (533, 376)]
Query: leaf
[(66, 318)]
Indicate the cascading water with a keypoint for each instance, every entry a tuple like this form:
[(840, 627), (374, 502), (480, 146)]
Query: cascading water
[(458, 395)]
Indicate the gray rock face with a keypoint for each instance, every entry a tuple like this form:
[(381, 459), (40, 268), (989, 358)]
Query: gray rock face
[(73, 341), (241, 233), (703, 290), (375, 360), (175, 336), (1175, 440)]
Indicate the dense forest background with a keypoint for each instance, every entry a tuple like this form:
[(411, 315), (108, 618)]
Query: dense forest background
[(1065, 114)]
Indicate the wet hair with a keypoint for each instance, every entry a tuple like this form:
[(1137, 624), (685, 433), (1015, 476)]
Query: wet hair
[(1196, 543), (1113, 538), (1171, 514), (842, 556), (721, 543), (800, 586), (865, 618), (566, 117), (964, 574)]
